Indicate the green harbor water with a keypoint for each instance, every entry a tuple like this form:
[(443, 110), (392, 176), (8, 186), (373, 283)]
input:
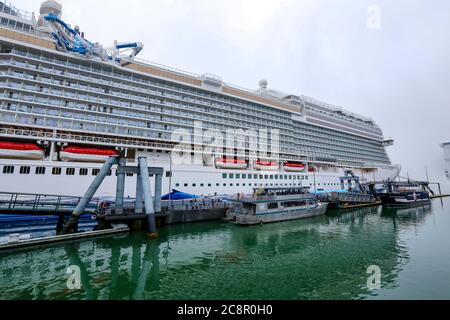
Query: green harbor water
[(321, 258)]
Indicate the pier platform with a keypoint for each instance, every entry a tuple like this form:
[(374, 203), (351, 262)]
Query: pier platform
[(18, 243)]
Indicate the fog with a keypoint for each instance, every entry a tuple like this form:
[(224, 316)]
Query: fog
[(388, 60)]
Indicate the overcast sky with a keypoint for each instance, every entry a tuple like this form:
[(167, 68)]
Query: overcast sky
[(395, 69)]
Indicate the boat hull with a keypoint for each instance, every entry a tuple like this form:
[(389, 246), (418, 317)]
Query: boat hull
[(285, 215), (21, 154), (79, 157), (405, 199)]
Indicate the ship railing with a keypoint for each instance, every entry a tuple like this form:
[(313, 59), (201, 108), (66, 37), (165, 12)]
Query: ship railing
[(165, 67), (81, 138), (8, 8)]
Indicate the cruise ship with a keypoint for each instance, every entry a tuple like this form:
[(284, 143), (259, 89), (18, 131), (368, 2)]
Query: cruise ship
[(66, 104)]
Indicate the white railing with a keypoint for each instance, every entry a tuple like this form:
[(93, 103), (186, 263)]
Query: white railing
[(8, 8), (164, 67)]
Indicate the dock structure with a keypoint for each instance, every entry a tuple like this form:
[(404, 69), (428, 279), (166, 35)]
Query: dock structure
[(42, 204), (144, 198), (70, 209)]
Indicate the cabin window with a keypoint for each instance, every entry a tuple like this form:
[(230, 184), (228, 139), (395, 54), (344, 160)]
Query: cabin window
[(177, 184), (266, 177), (83, 172), (168, 174), (95, 172), (238, 176), (130, 174), (217, 184), (224, 184), (25, 170), (56, 171), (271, 177), (40, 170), (209, 185), (8, 169), (261, 176), (224, 176), (231, 175), (194, 185), (202, 185), (244, 176), (273, 206), (109, 173), (70, 171), (185, 184)]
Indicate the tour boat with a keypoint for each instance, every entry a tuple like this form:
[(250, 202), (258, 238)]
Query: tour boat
[(266, 165), (79, 154), (231, 163), (275, 205), (15, 150), (406, 194), (294, 167)]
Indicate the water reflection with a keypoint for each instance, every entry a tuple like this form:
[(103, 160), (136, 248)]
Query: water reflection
[(322, 258)]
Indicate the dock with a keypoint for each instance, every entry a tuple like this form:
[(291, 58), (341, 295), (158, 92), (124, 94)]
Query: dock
[(15, 244)]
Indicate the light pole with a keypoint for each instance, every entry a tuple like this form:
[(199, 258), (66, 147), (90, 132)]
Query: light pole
[(314, 175)]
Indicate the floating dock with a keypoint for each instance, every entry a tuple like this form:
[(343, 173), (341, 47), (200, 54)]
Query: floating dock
[(18, 243)]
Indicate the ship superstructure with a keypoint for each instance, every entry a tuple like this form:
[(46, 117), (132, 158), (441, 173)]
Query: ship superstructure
[(79, 102)]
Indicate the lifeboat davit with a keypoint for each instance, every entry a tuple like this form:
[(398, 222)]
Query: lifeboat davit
[(80, 154), (26, 151), (266, 165), (231, 163), (294, 167)]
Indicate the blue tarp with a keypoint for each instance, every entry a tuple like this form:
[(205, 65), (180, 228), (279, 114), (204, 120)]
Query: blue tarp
[(178, 195)]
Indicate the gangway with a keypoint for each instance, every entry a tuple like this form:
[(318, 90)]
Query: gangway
[(43, 204)]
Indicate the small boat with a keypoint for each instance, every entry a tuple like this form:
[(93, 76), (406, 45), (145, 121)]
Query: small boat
[(266, 165), (81, 154), (294, 166), (275, 205), (26, 151), (405, 194), (231, 163)]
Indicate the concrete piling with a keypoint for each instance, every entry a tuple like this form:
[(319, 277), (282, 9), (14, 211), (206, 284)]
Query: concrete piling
[(148, 199)]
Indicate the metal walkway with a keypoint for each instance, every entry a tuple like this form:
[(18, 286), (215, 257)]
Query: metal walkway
[(43, 204)]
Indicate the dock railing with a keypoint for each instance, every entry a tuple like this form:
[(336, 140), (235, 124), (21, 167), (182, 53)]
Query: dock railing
[(11, 202)]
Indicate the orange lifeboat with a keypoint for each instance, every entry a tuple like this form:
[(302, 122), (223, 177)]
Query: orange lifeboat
[(294, 166), (15, 150), (231, 163), (266, 165), (81, 154)]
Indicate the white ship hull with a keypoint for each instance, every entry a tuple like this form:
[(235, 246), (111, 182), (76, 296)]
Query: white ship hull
[(195, 179)]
